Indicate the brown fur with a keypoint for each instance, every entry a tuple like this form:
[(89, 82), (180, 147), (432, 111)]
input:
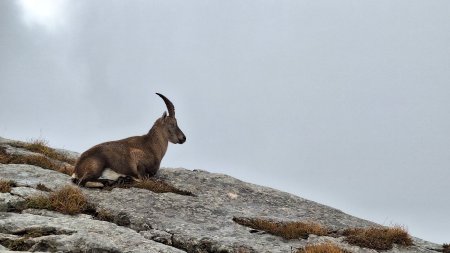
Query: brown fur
[(137, 156)]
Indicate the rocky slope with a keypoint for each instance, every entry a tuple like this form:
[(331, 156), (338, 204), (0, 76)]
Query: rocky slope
[(144, 221)]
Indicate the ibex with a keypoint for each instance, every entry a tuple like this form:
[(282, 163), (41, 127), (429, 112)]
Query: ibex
[(135, 157)]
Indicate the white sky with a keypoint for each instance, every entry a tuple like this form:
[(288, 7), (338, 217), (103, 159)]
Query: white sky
[(342, 102)]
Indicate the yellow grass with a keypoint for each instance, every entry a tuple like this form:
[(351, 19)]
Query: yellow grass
[(158, 186), (6, 185), (41, 146), (287, 230), (322, 248), (37, 160), (378, 238), (67, 200)]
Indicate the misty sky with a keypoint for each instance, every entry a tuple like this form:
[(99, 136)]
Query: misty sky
[(342, 102)]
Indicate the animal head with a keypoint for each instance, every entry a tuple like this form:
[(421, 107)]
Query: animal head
[(169, 123)]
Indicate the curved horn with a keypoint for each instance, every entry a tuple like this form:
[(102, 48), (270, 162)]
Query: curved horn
[(169, 105)]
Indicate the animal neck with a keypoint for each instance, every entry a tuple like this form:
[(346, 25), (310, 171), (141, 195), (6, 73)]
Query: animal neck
[(157, 141)]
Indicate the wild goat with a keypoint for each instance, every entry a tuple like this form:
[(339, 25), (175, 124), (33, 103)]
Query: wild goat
[(136, 157)]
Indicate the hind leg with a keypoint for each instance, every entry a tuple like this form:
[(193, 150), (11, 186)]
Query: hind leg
[(88, 171)]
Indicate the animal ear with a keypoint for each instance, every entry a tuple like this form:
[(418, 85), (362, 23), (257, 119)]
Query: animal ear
[(164, 115)]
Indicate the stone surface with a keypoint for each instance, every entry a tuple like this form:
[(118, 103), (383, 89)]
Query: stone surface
[(169, 222), (25, 192), (31, 176), (78, 234), (8, 201)]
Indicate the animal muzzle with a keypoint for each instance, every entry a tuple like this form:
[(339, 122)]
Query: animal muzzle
[(182, 139)]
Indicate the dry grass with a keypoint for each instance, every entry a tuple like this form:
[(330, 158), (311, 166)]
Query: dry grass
[(6, 185), (41, 146), (322, 248), (39, 202), (104, 215), (446, 248), (287, 230), (37, 160), (158, 186), (378, 238), (43, 188), (67, 200)]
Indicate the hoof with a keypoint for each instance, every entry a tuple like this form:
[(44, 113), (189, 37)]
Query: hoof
[(125, 180)]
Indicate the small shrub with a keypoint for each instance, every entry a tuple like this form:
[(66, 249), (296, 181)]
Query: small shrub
[(446, 248), (6, 185), (287, 230), (378, 238), (158, 186), (67, 200), (322, 248)]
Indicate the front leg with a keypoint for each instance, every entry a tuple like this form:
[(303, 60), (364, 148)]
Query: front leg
[(149, 170)]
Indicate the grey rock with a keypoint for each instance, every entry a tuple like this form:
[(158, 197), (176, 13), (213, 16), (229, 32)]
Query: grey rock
[(79, 234), (25, 192), (201, 223), (5, 141), (9, 201), (31, 176), (158, 236)]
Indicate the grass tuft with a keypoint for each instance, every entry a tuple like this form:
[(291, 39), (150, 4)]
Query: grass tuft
[(41, 146), (6, 185), (104, 215), (158, 186), (67, 200), (378, 238), (37, 160), (322, 248), (287, 230)]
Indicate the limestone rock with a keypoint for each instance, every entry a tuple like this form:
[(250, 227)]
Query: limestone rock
[(77, 234), (31, 176), (144, 221), (9, 201), (25, 192)]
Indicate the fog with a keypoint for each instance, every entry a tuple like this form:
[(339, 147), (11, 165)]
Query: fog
[(342, 102)]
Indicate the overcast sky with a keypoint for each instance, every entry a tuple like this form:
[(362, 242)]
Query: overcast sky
[(342, 102)]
